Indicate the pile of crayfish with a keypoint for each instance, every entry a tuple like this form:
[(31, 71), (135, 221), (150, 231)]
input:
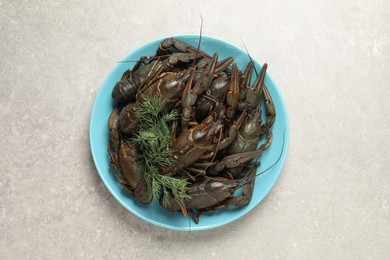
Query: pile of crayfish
[(213, 141)]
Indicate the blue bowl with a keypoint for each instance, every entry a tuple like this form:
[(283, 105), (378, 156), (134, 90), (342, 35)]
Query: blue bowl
[(154, 213)]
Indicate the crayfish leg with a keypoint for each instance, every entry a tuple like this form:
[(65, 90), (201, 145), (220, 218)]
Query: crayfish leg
[(167, 44), (247, 190), (195, 216), (183, 210), (144, 60)]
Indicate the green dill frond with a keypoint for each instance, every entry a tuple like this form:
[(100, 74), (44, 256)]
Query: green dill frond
[(180, 196), (156, 188), (153, 140), (173, 183), (145, 137), (178, 187), (167, 197), (170, 116), (149, 107)]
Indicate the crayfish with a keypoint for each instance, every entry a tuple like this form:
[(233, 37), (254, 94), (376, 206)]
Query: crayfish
[(210, 140)]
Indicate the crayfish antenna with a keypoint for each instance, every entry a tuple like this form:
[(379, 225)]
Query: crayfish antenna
[(250, 57), (200, 38)]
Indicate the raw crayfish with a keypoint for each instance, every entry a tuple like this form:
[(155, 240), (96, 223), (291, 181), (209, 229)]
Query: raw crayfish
[(213, 141)]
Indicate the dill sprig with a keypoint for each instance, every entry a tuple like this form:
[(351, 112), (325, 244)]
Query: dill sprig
[(153, 139)]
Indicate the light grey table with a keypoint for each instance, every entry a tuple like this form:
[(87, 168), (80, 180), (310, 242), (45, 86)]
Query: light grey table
[(331, 61)]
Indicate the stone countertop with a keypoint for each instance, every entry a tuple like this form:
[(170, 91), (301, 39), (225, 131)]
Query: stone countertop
[(331, 62)]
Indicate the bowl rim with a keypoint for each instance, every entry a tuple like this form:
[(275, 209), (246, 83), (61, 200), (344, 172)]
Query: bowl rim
[(159, 224)]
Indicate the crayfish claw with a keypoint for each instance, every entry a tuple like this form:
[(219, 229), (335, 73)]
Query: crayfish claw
[(270, 110), (253, 95), (233, 95), (223, 64), (188, 99)]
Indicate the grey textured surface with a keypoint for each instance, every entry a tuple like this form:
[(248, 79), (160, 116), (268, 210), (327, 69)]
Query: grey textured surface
[(331, 62)]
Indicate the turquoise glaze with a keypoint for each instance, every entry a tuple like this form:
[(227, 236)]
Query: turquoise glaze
[(154, 213)]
